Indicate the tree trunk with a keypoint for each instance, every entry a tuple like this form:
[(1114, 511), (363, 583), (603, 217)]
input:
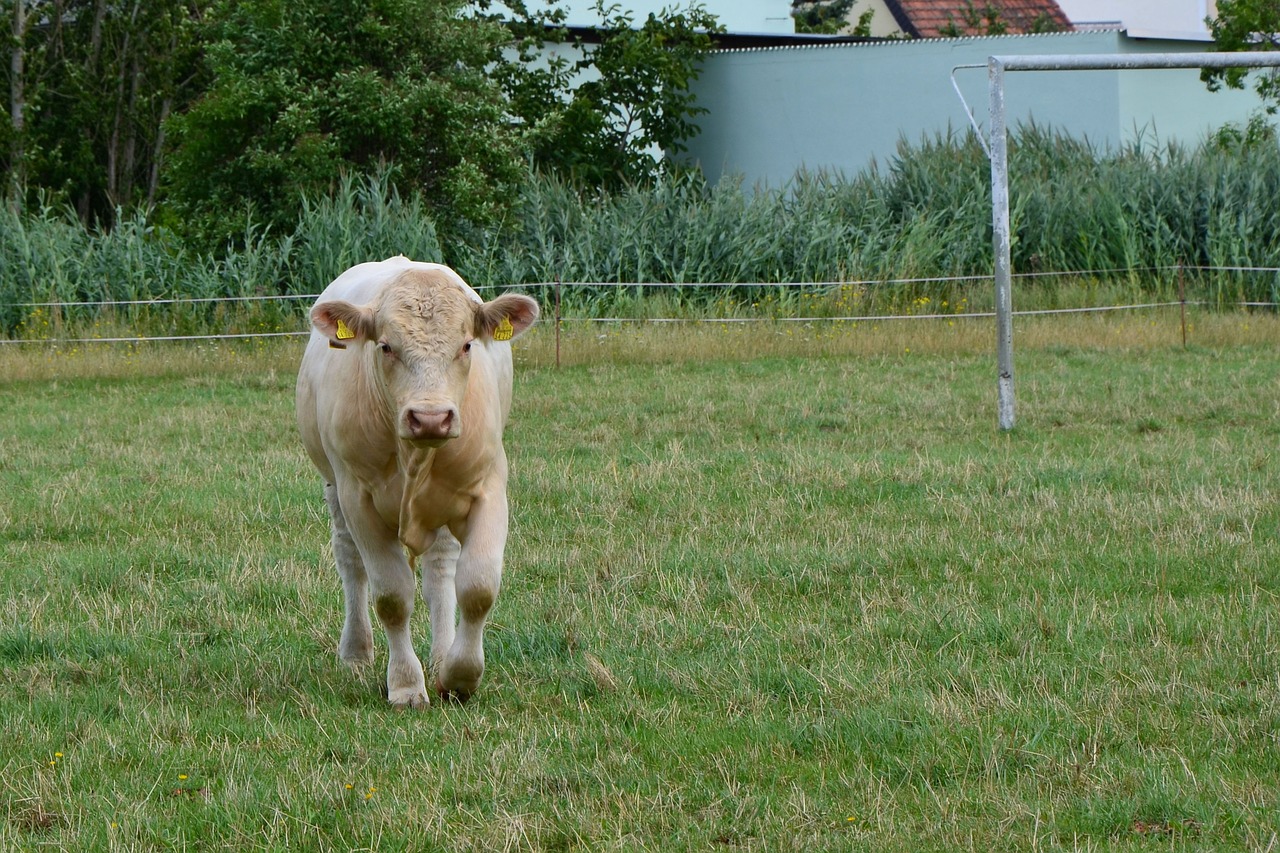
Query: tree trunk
[(157, 153), (95, 34), (125, 185), (119, 153), (18, 108)]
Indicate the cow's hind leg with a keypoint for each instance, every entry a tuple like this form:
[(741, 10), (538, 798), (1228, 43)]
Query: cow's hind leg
[(479, 576), (356, 646)]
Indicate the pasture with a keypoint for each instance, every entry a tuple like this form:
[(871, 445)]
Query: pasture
[(768, 588)]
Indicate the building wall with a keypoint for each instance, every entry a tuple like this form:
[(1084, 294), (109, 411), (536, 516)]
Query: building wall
[(736, 16), (1180, 18), (839, 107), (883, 24), (882, 21)]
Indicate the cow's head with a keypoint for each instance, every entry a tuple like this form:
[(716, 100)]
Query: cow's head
[(418, 335)]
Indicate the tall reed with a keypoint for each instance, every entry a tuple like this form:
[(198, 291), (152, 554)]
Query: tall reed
[(1124, 216), (51, 262), (1117, 221)]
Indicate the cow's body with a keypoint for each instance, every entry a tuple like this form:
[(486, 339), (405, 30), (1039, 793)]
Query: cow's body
[(402, 397)]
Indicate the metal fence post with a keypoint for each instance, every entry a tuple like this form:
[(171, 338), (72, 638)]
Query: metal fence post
[(1001, 243), (999, 153)]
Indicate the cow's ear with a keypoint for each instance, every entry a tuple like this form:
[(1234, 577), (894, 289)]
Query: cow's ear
[(343, 323), (505, 317)]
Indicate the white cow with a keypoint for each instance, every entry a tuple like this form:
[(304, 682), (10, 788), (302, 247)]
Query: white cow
[(402, 397)]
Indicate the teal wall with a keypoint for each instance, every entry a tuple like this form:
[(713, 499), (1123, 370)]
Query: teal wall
[(838, 107)]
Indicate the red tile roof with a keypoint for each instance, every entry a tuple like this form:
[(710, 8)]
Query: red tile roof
[(928, 18)]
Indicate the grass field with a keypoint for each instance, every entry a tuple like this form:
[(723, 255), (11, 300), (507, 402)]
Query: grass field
[(768, 588)]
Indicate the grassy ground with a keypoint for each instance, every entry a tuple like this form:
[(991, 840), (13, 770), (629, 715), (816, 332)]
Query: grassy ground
[(755, 600)]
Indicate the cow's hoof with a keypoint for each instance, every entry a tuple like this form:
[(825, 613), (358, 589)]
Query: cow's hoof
[(356, 656), (460, 676), (456, 697), (413, 698), (356, 664)]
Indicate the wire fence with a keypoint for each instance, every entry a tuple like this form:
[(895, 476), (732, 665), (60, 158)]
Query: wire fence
[(553, 292)]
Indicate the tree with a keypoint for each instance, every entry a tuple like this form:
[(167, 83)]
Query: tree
[(824, 18), (602, 118), (1246, 25), (304, 90), (219, 112), (986, 20), (90, 85), (17, 131)]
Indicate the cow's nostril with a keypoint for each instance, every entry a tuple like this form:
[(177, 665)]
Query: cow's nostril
[(428, 424)]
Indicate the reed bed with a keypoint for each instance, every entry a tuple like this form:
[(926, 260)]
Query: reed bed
[(1122, 223)]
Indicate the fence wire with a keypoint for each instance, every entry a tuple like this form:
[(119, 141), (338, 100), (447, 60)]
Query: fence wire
[(568, 286)]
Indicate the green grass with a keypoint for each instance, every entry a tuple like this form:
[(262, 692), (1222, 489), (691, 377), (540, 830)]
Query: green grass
[(753, 602)]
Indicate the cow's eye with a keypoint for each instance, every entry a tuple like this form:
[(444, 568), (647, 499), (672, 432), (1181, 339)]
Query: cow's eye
[(466, 348), (385, 347)]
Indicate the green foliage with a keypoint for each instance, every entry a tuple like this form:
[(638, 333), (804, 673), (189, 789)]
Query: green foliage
[(50, 257), (1246, 25), (601, 119), (927, 213), (99, 80), (305, 90), (823, 18), (365, 219), (976, 21), (208, 115), (1254, 133), (1126, 218)]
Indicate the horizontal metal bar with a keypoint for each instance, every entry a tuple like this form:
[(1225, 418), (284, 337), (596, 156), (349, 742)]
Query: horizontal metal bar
[(1117, 61)]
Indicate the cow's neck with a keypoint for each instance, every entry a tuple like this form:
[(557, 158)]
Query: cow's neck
[(415, 462), (415, 471)]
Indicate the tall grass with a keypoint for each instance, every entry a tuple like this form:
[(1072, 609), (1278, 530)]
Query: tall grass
[(49, 257), (924, 214), (1124, 217)]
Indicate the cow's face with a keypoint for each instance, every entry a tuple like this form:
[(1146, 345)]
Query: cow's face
[(419, 336)]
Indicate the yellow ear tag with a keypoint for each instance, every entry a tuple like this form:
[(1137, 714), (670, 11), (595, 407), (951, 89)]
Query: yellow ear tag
[(344, 332), (504, 331)]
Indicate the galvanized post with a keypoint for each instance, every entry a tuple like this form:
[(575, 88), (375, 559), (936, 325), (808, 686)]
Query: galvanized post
[(1001, 243), (999, 153)]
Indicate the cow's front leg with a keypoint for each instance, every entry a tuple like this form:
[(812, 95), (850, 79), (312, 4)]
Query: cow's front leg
[(439, 568), (392, 584), (356, 645), (479, 576)]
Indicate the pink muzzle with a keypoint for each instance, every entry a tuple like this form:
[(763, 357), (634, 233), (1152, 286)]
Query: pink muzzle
[(430, 423)]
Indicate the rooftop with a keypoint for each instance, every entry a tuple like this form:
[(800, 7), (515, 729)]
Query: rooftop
[(933, 18)]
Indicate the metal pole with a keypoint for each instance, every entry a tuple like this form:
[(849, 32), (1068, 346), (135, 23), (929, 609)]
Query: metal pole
[(1001, 243), (999, 154), (1182, 297), (1139, 61)]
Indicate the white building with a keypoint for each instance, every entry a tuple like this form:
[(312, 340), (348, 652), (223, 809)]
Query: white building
[(1172, 19), (839, 107), (736, 16)]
